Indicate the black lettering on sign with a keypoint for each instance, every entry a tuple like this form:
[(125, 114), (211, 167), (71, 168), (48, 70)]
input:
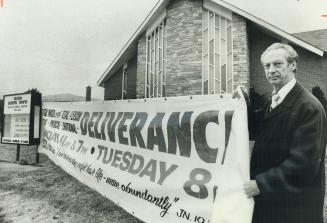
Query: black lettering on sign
[(83, 123), (55, 124), (111, 125), (129, 128), (124, 165), (156, 171), (96, 132), (117, 158), (23, 102), (91, 123), (105, 159), (75, 115), (64, 115), (179, 132), (158, 138), (228, 128), (12, 102), (44, 112), (201, 192), (183, 214), (122, 127), (207, 154), (137, 164), (51, 113), (136, 127), (103, 125), (69, 127)]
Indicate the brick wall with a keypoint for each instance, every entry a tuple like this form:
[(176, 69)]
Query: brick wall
[(312, 70), (240, 51), (184, 50)]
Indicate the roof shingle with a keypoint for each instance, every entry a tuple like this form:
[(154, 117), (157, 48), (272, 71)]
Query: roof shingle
[(317, 38)]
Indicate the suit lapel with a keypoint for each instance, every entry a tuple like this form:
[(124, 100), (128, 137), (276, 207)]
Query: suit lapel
[(286, 103), (280, 108)]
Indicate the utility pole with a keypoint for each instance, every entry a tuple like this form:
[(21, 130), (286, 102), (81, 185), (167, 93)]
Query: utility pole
[(88, 93)]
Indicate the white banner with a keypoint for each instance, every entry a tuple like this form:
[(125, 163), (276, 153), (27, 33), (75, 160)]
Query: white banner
[(180, 159)]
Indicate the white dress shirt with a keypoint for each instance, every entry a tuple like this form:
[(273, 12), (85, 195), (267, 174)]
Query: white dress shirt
[(278, 97)]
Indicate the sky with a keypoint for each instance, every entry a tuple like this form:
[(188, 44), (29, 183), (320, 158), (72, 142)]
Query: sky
[(62, 46)]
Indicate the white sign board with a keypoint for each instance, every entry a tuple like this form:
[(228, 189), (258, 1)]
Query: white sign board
[(175, 160), (17, 110), (17, 104)]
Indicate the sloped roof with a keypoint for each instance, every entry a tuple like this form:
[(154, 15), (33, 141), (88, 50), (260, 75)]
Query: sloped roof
[(317, 38), (131, 46)]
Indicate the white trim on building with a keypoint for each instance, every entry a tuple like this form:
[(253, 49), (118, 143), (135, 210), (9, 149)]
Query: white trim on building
[(124, 82), (155, 78)]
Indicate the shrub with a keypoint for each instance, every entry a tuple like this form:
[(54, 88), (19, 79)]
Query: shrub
[(319, 94)]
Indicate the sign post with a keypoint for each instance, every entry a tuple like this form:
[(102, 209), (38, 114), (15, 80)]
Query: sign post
[(18, 152), (22, 119), (37, 159)]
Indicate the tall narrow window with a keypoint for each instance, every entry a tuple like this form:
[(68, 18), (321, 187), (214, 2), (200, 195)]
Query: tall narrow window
[(124, 82), (155, 78), (217, 57)]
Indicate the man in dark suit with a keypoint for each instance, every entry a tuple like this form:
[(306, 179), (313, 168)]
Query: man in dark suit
[(287, 163)]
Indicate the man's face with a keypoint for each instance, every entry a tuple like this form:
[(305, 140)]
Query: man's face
[(278, 71)]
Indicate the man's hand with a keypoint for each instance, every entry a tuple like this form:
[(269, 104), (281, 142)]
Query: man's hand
[(251, 188), (242, 92)]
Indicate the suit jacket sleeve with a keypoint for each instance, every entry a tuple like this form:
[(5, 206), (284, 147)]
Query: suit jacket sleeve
[(301, 166)]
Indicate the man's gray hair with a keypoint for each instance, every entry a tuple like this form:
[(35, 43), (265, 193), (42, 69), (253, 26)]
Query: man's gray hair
[(291, 54)]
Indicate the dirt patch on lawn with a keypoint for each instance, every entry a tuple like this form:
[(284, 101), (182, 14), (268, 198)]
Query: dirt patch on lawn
[(45, 193)]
